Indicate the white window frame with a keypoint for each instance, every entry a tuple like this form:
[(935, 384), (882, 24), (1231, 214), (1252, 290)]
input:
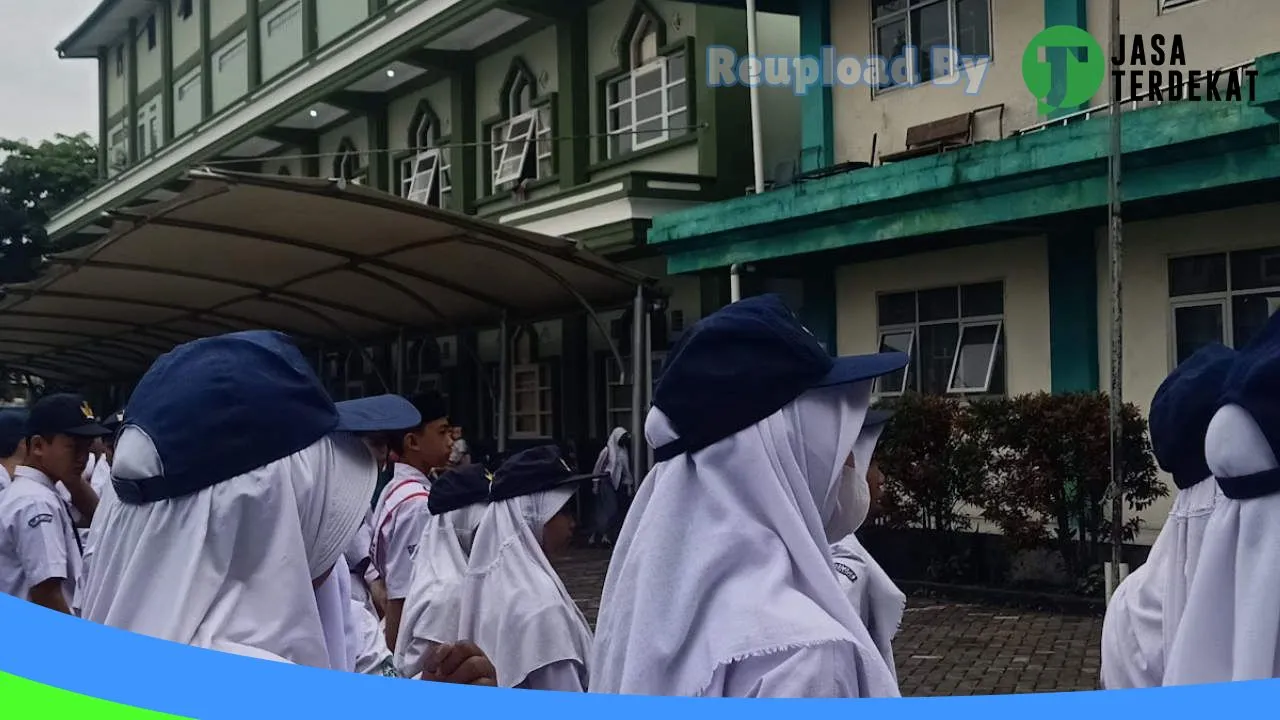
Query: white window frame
[(904, 15), (886, 331), (278, 19), (666, 85), (511, 165), (421, 182), (965, 326), (1222, 298), (543, 415), (615, 379)]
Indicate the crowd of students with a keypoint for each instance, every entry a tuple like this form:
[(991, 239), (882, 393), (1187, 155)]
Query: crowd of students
[(233, 505)]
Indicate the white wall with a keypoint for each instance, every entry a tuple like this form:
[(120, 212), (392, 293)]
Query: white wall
[(187, 93), (335, 17), (779, 107), (281, 38), (539, 53), (186, 33), (224, 13), (230, 71), (149, 58), (117, 80)]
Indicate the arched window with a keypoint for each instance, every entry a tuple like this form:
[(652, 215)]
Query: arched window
[(648, 103), (521, 142), (425, 174), (346, 162)]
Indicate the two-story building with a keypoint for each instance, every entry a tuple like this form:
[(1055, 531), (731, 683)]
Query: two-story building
[(970, 229), (581, 119)]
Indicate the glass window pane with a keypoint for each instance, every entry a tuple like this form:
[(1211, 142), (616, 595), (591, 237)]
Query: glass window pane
[(647, 81), (982, 300), (939, 304), (620, 117), (678, 122), (622, 88), (1248, 314), (1255, 269), (648, 106), (649, 130), (936, 349), (1195, 326), (677, 97), (1197, 274), (891, 40), (977, 346), (973, 27), (894, 342), (879, 8), (675, 68), (897, 308), (931, 28)]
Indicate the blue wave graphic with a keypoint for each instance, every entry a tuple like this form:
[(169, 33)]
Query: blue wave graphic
[(109, 664)]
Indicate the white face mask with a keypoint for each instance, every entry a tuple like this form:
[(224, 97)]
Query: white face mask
[(853, 504)]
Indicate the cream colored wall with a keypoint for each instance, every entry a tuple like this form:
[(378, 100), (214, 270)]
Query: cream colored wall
[(1215, 33), (230, 81), (538, 52), (186, 33), (400, 113), (1023, 266), (779, 107), (1147, 330), (357, 130), (858, 116), (187, 101), (335, 17), (223, 14), (149, 60), (281, 36)]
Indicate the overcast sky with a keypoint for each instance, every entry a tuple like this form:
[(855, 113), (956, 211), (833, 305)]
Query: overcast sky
[(39, 94)]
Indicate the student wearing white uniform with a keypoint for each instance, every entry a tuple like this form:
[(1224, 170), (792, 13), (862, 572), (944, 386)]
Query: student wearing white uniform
[(13, 443), (40, 552), (229, 526), (507, 597), (875, 597), (722, 582), (401, 510), (1144, 613), (432, 609), (1229, 629)]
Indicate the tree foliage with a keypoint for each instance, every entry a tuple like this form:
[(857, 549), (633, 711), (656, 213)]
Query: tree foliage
[(36, 181)]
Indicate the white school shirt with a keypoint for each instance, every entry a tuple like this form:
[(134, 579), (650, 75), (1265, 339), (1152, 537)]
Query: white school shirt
[(37, 539), (398, 519), (4, 478)]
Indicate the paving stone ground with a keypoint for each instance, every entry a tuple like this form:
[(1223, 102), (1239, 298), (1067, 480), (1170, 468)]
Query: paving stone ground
[(943, 647)]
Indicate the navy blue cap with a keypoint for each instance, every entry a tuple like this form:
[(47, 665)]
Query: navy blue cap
[(535, 470), (378, 413), (459, 487), (743, 363), (113, 421), (218, 407), (63, 414), (1181, 410), (13, 430)]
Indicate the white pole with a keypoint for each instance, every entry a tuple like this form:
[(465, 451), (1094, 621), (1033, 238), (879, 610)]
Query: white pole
[(757, 133), (1115, 248)]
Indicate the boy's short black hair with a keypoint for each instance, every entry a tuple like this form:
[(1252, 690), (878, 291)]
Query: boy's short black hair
[(432, 406)]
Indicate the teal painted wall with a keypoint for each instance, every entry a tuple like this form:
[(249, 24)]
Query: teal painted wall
[(817, 126), (1066, 12), (1073, 311)]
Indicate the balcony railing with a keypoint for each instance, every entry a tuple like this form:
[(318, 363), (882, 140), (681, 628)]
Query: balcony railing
[(1149, 98)]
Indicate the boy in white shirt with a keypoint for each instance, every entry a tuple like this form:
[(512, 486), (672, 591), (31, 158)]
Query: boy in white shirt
[(13, 443), (40, 552)]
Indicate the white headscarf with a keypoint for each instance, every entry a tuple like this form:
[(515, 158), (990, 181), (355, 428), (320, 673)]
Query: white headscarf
[(615, 460), (874, 595), (1230, 628), (231, 567), (724, 556), (433, 608)]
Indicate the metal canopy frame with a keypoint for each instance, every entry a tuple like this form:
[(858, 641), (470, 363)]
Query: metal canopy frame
[(325, 261)]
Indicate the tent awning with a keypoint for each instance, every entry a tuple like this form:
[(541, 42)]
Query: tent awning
[(323, 260)]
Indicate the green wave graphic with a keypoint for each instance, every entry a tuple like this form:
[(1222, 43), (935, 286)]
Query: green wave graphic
[(42, 701)]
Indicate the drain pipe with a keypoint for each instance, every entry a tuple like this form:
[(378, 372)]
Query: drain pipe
[(757, 135), (735, 282)]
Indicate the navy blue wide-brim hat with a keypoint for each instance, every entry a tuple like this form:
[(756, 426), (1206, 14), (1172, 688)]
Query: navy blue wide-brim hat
[(378, 413), (1181, 410), (1253, 383), (535, 470), (218, 407), (743, 363), (459, 487)]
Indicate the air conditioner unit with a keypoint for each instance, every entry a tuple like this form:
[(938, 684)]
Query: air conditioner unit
[(448, 352)]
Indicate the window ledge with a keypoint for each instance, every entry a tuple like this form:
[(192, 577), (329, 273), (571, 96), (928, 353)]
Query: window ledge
[(497, 197), (689, 138)]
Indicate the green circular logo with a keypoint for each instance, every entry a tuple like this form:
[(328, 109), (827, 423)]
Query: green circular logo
[(1069, 71)]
